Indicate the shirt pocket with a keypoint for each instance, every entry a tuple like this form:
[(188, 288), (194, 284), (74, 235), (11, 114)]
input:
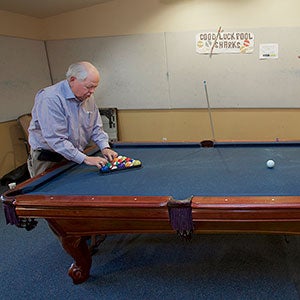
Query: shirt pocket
[(87, 120)]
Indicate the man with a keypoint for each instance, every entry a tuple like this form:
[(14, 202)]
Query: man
[(65, 119)]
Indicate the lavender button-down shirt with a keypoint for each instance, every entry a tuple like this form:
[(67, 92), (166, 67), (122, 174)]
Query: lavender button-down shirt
[(64, 124)]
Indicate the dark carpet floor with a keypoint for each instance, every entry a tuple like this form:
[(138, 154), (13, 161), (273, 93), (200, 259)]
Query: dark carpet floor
[(33, 265)]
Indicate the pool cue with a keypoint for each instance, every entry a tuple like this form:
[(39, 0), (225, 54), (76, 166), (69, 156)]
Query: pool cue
[(215, 41), (209, 111)]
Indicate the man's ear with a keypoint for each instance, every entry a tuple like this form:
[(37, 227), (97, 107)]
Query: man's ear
[(71, 80)]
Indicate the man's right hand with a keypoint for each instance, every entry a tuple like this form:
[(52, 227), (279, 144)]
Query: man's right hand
[(97, 161)]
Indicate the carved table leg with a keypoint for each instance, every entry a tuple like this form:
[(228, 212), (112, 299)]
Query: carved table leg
[(78, 249)]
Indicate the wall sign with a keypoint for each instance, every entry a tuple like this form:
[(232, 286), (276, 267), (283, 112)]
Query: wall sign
[(224, 42), (268, 51)]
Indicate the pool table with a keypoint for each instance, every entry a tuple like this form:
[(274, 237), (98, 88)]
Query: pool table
[(180, 187)]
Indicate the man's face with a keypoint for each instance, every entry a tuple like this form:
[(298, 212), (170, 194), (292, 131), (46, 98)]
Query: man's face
[(84, 89)]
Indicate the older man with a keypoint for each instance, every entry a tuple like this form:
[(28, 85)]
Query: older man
[(65, 119)]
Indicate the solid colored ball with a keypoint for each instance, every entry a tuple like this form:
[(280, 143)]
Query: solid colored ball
[(121, 166), (270, 163), (105, 168)]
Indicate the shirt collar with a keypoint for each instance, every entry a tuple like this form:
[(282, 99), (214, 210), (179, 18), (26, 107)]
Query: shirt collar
[(67, 91)]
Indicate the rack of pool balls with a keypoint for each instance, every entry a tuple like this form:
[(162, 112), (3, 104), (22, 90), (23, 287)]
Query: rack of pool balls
[(121, 163)]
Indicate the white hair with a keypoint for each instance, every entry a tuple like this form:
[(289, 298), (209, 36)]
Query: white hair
[(78, 70)]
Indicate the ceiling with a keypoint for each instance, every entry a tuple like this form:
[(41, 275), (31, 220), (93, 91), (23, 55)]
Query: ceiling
[(45, 8)]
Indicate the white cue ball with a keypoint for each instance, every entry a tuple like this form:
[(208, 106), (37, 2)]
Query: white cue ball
[(270, 163)]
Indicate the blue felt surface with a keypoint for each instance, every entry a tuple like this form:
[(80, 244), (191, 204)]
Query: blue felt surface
[(185, 171), (157, 266)]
